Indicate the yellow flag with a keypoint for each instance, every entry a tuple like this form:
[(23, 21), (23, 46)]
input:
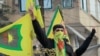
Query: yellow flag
[(39, 16), (15, 39), (57, 19), (31, 4), (37, 11)]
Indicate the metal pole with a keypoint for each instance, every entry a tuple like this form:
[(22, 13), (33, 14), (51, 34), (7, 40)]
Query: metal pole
[(41, 3), (76, 32), (93, 47)]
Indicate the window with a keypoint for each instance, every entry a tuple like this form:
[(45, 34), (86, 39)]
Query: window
[(98, 5), (93, 8), (1, 2), (67, 3), (37, 2), (22, 5), (47, 4), (84, 5)]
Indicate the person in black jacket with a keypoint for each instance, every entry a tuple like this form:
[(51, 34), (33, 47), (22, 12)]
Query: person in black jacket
[(51, 43)]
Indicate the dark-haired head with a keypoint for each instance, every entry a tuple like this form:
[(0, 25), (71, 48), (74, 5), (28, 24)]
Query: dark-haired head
[(57, 26)]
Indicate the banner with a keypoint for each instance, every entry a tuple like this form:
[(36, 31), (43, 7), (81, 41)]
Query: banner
[(16, 38), (57, 19), (36, 11)]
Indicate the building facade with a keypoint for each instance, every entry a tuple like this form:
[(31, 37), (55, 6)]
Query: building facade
[(90, 16), (74, 13)]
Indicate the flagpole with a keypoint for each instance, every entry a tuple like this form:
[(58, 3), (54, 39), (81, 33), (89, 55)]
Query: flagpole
[(41, 3)]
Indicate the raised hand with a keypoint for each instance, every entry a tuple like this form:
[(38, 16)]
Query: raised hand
[(93, 30), (31, 12)]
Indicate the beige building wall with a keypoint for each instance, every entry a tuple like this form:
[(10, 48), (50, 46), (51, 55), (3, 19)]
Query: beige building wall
[(90, 22), (12, 9), (71, 15)]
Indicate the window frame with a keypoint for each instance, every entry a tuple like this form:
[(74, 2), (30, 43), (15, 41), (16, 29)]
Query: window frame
[(20, 5), (22, 8), (48, 7), (83, 6), (66, 6)]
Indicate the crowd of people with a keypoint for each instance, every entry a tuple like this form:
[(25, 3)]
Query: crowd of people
[(59, 44)]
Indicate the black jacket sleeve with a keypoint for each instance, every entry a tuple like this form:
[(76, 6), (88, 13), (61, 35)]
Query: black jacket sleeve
[(85, 44), (41, 36), (68, 48)]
